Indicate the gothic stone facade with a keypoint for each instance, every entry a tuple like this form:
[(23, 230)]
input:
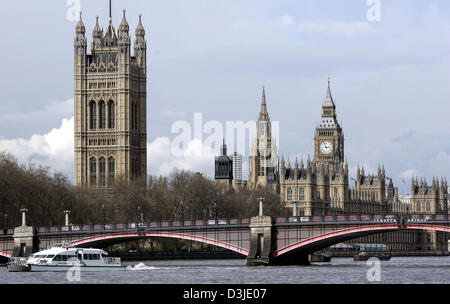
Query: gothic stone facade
[(110, 105), (263, 160), (322, 187)]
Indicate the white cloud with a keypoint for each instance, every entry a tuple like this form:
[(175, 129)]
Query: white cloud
[(54, 149), (340, 29), (333, 28), (409, 174), (196, 157)]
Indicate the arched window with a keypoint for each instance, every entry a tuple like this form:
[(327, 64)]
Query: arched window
[(93, 114), (428, 207), (335, 193), (111, 170), (289, 194), (419, 207), (102, 171), (301, 194), (111, 115), (93, 171), (102, 114)]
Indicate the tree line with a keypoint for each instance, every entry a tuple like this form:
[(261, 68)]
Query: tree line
[(47, 195)]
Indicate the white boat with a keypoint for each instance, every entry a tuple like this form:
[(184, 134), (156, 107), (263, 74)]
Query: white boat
[(61, 258)]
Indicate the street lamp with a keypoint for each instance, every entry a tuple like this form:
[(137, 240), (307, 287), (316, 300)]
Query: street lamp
[(6, 222), (24, 216), (102, 216), (215, 211), (261, 200), (182, 212), (66, 213)]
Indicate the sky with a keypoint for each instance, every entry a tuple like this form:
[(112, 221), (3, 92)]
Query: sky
[(390, 77)]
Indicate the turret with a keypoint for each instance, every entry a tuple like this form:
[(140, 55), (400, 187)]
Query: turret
[(80, 40), (124, 28), (140, 45), (97, 35)]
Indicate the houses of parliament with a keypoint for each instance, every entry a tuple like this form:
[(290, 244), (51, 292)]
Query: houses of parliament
[(321, 186)]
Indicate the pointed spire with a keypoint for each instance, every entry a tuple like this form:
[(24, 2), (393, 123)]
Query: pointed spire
[(296, 163), (283, 163), (80, 28), (263, 114), (289, 163), (97, 32), (224, 148), (140, 31), (302, 165), (124, 27), (328, 102)]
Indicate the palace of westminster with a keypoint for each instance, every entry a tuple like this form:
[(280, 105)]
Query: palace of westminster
[(321, 186), (110, 96)]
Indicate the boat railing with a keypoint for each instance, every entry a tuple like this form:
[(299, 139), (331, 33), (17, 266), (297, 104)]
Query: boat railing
[(112, 261), (18, 261)]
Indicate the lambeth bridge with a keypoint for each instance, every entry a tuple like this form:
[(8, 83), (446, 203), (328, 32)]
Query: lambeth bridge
[(263, 240)]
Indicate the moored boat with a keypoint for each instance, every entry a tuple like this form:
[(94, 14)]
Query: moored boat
[(364, 256), (61, 258), (17, 265)]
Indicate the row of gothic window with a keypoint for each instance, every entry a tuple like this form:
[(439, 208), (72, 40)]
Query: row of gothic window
[(301, 194), (102, 164), (427, 206), (102, 115)]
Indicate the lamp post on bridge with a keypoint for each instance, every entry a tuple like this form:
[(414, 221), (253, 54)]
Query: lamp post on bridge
[(261, 200), (182, 213), (295, 211), (215, 212), (66, 216), (6, 223), (5, 231), (102, 216), (24, 216)]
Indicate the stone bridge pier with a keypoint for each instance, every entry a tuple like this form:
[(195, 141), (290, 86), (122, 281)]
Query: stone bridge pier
[(25, 240)]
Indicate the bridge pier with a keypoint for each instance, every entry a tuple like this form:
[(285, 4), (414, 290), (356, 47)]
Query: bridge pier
[(25, 242), (261, 241)]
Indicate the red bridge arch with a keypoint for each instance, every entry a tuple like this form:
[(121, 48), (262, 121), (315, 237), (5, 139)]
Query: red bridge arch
[(328, 239), (5, 254), (119, 237)]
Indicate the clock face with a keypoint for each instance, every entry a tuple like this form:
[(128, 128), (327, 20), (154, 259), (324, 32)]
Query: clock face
[(326, 147)]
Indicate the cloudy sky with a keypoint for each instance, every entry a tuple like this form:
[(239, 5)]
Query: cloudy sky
[(390, 78)]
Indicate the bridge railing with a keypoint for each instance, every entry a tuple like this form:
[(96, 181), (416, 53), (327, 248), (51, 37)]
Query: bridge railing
[(6, 231), (389, 218), (211, 223), (153, 225)]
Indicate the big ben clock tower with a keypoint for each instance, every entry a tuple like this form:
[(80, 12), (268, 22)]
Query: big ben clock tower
[(329, 138)]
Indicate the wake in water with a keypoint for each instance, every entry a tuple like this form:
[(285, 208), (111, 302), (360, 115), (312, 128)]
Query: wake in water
[(140, 266)]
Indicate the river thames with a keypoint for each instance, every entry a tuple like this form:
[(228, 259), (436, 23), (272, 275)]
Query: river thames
[(399, 270)]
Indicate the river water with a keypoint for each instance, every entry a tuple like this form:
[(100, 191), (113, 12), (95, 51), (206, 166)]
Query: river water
[(416, 270)]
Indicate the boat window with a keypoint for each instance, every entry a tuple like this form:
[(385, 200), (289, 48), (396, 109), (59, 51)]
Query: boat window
[(57, 258), (51, 256), (64, 257)]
